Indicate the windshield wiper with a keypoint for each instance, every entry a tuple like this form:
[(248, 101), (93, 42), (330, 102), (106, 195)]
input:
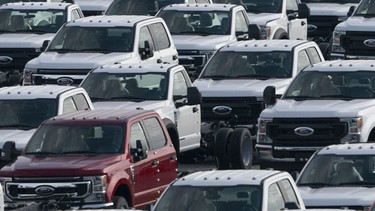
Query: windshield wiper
[(365, 15), (218, 77), (256, 11), (315, 184), (300, 97), (40, 153), (5, 31), (100, 50), (201, 33), (80, 152), (359, 183), (62, 50), (341, 97), (256, 76), (129, 98)]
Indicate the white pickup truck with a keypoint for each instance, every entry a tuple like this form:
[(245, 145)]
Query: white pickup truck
[(23, 29), (327, 103), (240, 190), (232, 85)]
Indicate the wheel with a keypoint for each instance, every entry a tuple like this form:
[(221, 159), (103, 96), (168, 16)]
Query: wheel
[(241, 149), (120, 202), (221, 148)]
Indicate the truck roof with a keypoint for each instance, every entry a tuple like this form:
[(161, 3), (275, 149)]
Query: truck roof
[(349, 149), (33, 92), (35, 5), (263, 45), (200, 7), (104, 115), (110, 20), (121, 68), (226, 177), (342, 65)]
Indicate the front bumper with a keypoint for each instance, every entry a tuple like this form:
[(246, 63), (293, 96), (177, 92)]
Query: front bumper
[(268, 153), (338, 56)]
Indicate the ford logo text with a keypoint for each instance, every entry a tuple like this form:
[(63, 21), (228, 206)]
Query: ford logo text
[(65, 81), (303, 131), (44, 190), (369, 43), (222, 110), (6, 60)]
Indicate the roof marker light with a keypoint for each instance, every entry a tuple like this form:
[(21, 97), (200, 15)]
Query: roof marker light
[(254, 178), (18, 92), (205, 178)]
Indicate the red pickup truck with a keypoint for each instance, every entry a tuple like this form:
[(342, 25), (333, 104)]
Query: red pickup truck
[(92, 159)]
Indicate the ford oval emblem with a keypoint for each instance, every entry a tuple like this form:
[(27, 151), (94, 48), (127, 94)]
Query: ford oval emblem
[(311, 28), (65, 81), (304, 131), (44, 190), (6, 60), (369, 43), (222, 110)]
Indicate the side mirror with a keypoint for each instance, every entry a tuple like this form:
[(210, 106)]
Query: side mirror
[(45, 45), (9, 152), (140, 152), (303, 11), (147, 51), (254, 31), (269, 96), (351, 10), (194, 96)]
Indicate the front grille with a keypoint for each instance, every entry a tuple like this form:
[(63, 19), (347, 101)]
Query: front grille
[(325, 26), (247, 109), (25, 189), (326, 131), (19, 56), (64, 71), (344, 207), (353, 43), (191, 59)]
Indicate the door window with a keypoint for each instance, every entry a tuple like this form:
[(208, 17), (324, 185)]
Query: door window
[(302, 61), (155, 133)]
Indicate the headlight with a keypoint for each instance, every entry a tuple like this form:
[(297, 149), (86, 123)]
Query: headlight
[(354, 125), (265, 32), (27, 76), (208, 53), (99, 187), (336, 39), (262, 137), (342, 18), (3, 181)]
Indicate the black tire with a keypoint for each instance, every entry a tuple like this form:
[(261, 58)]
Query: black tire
[(241, 149), (120, 202), (221, 148)]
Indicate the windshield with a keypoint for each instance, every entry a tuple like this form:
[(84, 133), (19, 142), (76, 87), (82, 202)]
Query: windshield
[(331, 1), (132, 7), (79, 138), (236, 64), (332, 85), (93, 39), (366, 8), (126, 86), (256, 6), (241, 197), (31, 21), (339, 170), (27, 114), (197, 22)]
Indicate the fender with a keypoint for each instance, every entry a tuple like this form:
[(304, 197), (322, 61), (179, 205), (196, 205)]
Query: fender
[(175, 136), (280, 34)]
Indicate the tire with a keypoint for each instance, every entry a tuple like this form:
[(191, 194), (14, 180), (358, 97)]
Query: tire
[(120, 202), (221, 148), (241, 149)]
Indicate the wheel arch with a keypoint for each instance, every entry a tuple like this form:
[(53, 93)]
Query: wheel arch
[(123, 190), (173, 133), (280, 34)]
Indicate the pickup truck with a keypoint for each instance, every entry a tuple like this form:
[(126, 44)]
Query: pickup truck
[(93, 7), (24, 27), (240, 190), (90, 42), (198, 30), (232, 85), (25, 108), (165, 88), (328, 103), (92, 160)]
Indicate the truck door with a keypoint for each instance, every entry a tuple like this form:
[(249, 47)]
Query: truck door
[(187, 117), (297, 27)]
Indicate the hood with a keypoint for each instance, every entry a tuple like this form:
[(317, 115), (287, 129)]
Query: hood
[(238, 88), (196, 42), (77, 60), (356, 23), (337, 196), (145, 105), (20, 137), (262, 18), (327, 108), (329, 9), (8, 40), (25, 165)]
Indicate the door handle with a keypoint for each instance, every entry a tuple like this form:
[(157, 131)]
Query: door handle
[(159, 61), (173, 157), (195, 109), (154, 163), (174, 57), (303, 23)]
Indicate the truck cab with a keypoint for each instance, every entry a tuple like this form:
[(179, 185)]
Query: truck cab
[(94, 41)]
